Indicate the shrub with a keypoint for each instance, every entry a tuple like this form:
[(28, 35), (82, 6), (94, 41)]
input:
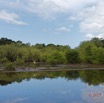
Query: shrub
[(9, 66)]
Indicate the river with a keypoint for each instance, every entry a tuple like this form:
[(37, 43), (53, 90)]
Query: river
[(84, 86)]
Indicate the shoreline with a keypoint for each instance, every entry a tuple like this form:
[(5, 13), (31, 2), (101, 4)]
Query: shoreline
[(47, 70)]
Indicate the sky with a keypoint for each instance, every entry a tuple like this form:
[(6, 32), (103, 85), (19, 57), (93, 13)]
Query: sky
[(62, 22)]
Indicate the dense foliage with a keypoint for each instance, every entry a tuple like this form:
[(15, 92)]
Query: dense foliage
[(16, 53)]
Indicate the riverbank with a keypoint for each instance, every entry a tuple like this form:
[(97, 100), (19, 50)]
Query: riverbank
[(55, 68)]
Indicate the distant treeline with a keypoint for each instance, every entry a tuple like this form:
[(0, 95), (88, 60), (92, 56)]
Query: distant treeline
[(17, 53)]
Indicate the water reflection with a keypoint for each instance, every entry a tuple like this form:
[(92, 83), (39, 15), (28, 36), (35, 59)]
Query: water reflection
[(92, 77), (93, 95), (52, 87), (16, 100)]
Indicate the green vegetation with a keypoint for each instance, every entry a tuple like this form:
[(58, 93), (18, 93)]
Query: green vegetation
[(17, 54)]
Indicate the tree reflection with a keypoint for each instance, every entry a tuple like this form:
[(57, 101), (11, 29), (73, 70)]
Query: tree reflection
[(91, 77)]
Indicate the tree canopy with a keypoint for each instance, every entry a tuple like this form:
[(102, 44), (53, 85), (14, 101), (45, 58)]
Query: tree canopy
[(19, 53)]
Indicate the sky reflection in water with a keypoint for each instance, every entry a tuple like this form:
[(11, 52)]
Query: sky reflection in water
[(53, 88)]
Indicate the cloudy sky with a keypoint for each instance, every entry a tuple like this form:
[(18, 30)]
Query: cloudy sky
[(64, 22)]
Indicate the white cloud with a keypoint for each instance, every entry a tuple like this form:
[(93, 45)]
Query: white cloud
[(90, 36), (89, 13), (17, 100), (91, 27), (58, 30), (100, 36), (93, 35), (48, 8), (13, 3), (10, 17), (93, 20), (64, 29)]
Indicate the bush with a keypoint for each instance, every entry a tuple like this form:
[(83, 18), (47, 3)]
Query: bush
[(9, 66), (72, 56), (56, 58)]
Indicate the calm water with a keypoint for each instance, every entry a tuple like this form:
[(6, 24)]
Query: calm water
[(52, 87)]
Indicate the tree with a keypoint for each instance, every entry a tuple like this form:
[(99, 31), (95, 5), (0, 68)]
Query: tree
[(4, 41), (86, 51), (98, 56), (97, 42), (56, 58), (72, 56)]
